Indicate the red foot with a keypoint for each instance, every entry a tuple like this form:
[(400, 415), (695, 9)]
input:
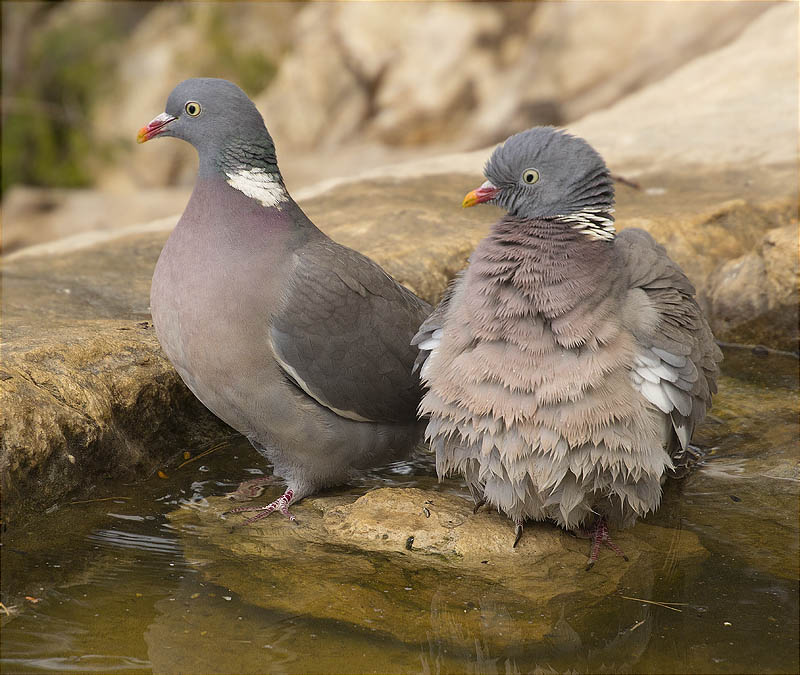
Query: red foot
[(599, 535), (280, 504)]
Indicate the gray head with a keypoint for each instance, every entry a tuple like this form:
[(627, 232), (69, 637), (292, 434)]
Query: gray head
[(217, 118), (544, 173)]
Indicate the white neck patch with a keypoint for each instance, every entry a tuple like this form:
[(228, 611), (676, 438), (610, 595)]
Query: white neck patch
[(266, 188), (594, 223)]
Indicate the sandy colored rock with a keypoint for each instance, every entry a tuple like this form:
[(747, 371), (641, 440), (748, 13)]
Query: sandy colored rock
[(85, 392), (35, 215), (733, 107), (758, 288), (468, 74), (392, 556)]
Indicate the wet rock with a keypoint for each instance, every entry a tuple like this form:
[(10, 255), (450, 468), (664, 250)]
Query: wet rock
[(456, 562), (214, 635), (758, 288), (86, 392)]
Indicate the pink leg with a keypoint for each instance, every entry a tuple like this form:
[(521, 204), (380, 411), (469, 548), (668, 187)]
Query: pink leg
[(599, 535), (280, 504)]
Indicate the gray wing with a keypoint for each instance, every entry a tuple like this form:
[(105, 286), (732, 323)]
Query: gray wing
[(429, 334), (676, 367), (343, 335)]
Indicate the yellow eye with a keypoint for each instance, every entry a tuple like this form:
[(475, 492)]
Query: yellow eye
[(193, 108), (530, 176)]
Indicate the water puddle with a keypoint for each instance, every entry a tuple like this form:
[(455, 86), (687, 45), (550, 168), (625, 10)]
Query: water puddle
[(138, 583)]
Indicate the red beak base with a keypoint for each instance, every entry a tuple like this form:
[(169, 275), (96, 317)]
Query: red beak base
[(484, 193), (154, 128)]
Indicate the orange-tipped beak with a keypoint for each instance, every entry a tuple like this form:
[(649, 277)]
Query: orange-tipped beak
[(484, 193), (157, 126)]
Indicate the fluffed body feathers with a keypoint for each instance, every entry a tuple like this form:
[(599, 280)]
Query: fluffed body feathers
[(564, 371)]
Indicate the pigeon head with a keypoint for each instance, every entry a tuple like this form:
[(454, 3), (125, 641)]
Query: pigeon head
[(217, 118), (546, 174)]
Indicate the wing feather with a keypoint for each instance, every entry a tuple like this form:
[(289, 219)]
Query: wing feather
[(343, 335), (677, 365)]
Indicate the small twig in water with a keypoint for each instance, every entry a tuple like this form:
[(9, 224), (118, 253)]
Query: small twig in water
[(760, 348), (635, 626), (90, 501), (202, 454), (660, 604)]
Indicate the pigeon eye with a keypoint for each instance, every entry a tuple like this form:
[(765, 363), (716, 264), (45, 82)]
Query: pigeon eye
[(193, 108), (530, 176)]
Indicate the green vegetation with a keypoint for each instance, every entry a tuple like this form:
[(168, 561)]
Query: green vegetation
[(68, 60), (46, 131), (250, 69)]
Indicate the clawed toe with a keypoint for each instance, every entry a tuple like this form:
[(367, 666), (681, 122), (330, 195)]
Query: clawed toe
[(280, 504), (518, 535), (600, 536)]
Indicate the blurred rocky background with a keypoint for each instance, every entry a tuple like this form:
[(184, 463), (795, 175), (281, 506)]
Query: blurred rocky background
[(343, 87)]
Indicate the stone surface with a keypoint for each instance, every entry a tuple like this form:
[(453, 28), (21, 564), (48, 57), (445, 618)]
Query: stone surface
[(759, 287), (734, 107), (85, 392), (393, 547), (35, 215), (467, 74)]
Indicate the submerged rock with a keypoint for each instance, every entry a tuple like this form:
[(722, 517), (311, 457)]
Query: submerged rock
[(383, 560), (743, 501)]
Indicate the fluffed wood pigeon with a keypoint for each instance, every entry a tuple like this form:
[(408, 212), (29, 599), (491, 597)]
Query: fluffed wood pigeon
[(567, 367)]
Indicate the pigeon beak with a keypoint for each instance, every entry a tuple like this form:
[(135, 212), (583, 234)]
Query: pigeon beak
[(484, 193), (157, 126)]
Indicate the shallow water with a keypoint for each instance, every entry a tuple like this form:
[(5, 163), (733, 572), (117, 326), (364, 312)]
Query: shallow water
[(114, 586)]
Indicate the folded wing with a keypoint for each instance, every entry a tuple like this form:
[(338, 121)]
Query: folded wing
[(343, 316)]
